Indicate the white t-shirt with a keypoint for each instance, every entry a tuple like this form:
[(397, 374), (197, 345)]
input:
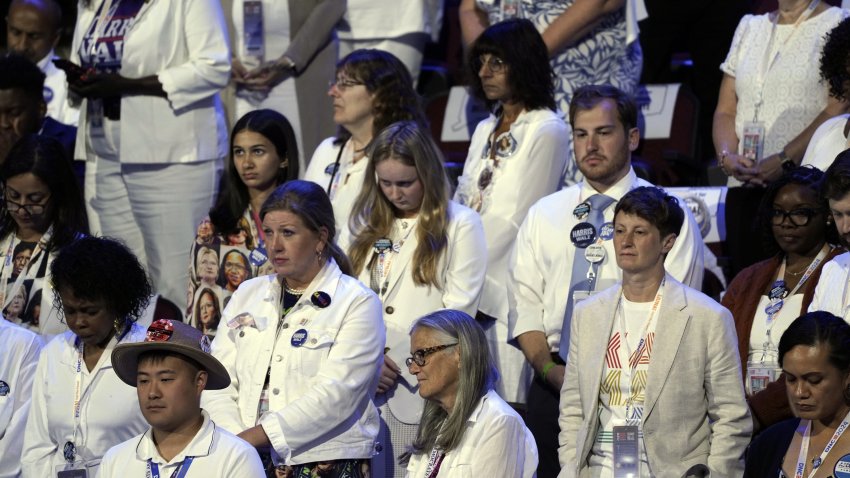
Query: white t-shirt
[(615, 389)]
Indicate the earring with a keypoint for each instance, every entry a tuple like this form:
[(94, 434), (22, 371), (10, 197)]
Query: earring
[(319, 255), (118, 326)]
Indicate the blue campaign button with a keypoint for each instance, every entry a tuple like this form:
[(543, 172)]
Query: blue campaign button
[(383, 244), (773, 308), (842, 467), (583, 235), (606, 232), (4, 388), (777, 290), (330, 169), (258, 257), (298, 338)]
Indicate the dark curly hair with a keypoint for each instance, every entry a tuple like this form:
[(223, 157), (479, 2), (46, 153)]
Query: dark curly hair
[(233, 199), (102, 269), (18, 73), (385, 77), (834, 67), (517, 43), (45, 158), (805, 176)]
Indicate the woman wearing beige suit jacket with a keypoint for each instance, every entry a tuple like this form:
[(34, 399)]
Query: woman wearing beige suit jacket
[(666, 397)]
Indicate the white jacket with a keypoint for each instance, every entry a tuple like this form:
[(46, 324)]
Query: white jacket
[(461, 274), (20, 351), (185, 44), (320, 392)]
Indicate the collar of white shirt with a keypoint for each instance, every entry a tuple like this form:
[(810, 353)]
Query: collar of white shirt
[(201, 444), (617, 191)]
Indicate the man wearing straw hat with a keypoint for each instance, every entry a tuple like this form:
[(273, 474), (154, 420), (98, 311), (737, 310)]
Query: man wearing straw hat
[(170, 369)]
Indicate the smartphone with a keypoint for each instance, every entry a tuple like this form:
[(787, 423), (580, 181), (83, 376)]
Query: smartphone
[(72, 70)]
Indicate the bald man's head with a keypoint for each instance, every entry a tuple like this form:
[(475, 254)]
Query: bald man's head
[(33, 27)]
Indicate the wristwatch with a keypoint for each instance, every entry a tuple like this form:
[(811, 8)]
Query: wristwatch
[(787, 163)]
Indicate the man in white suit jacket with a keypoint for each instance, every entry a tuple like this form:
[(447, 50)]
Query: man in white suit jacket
[(692, 410)]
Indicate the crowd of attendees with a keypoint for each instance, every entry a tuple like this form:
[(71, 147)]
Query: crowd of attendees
[(346, 310)]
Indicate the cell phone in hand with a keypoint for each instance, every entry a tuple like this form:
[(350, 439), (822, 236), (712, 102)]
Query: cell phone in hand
[(72, 70)]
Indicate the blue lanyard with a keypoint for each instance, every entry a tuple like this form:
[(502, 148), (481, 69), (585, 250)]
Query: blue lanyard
[(153, 468)]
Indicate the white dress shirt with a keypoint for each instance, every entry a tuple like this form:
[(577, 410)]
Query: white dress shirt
[(109, 408), (495, 443), (18, 359), (56, 92), (542, 259), (214, 452), (827, 141)]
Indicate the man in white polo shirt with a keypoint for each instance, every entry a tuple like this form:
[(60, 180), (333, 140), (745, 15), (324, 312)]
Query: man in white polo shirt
[(170, 369)]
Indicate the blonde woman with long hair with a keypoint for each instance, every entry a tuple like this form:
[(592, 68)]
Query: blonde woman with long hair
[(420, 252)]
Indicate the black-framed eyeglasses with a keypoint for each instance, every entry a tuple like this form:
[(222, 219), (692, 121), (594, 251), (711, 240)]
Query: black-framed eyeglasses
[(494, 63), (31, 209), (798, 217), (419, 356), (343, 83)]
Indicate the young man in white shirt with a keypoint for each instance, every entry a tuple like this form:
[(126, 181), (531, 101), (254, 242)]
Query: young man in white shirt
[(170, 369)]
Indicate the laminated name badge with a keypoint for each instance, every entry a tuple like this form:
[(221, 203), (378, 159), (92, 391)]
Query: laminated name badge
[(753, 144), (626, 452), (252, 22)]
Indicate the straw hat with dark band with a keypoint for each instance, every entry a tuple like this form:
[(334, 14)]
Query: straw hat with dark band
[(170, 336)]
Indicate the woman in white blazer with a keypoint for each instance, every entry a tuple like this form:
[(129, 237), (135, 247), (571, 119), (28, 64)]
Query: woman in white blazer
[(653, 365), (151, 123), (516, 156), (303, 346), (420, 252)]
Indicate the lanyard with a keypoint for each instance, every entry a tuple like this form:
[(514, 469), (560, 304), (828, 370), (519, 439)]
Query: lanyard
[(776, 304), (336, 173), (8, 266), (633, 358), (804, 447), (386, 258), (78, 392), (261, 236), (434, 462), (153, 468), (768, 62)]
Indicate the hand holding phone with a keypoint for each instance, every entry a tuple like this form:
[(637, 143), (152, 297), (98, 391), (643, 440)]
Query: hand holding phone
[(73, 71)]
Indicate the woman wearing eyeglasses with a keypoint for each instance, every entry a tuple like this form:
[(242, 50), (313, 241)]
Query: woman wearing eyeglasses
[(516, 156), (466, 428), (44, 212), (372, 89), (766, 297), (419, 252)]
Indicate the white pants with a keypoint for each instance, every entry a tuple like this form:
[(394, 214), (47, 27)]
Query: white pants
[(154, 209), (408, 48)]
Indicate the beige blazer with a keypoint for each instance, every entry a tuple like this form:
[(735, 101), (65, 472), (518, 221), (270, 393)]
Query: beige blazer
[(696, 420)]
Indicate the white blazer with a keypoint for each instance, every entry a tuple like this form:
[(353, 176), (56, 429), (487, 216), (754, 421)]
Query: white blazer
[(461, 273), (324, 364), (185, 44)]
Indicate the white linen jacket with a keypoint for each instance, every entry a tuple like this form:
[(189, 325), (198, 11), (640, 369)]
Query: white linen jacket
[(321, 388), (461, 274), (185, 44), (18, 359)]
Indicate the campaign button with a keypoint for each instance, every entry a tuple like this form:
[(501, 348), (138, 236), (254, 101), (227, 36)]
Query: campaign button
[(581, 211), (606, 232), (583, 235), (298, 338), (594, 253)]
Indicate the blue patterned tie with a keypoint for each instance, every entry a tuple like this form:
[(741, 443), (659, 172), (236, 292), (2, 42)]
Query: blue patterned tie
[(578, 279)]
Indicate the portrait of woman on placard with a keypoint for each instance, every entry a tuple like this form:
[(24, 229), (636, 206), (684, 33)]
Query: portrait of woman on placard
[(235, 269), (207, 312), (32, 313), (14, 312)]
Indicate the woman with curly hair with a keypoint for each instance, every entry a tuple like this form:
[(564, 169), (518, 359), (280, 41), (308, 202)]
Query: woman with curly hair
[(80, 408), (831, 137), (372, 90), (767, 296), (419, 252)]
